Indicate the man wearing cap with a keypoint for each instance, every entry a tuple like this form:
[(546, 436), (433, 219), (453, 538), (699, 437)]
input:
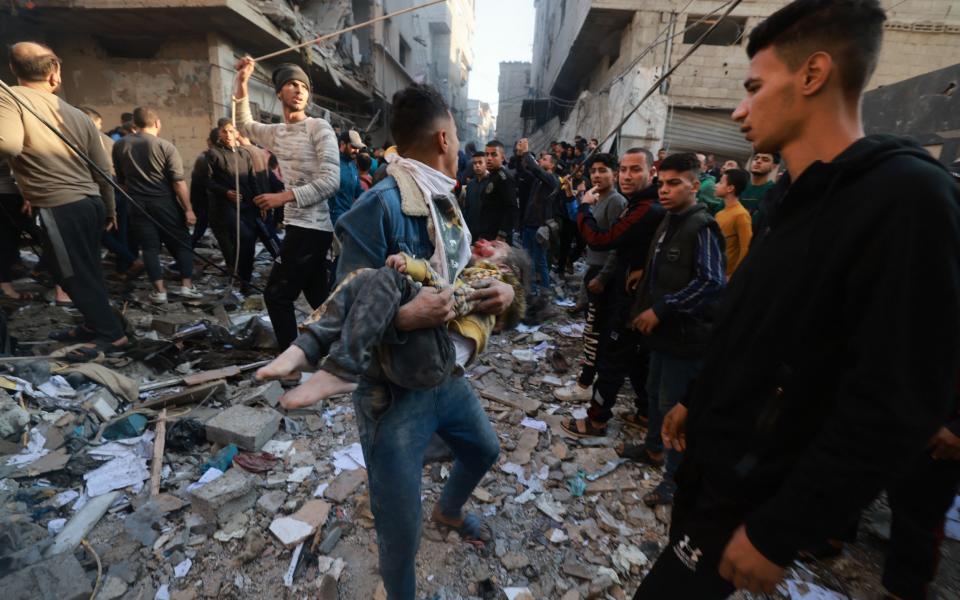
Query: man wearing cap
[(306, 148), (350, 188)]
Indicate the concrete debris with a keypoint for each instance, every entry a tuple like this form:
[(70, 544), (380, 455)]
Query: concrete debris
[(225, 532), (247, 427)]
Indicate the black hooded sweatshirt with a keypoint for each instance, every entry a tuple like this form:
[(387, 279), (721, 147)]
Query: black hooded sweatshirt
[(835, 355)]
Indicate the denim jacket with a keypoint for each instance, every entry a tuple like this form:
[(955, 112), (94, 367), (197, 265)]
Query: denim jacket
[(376, 227)]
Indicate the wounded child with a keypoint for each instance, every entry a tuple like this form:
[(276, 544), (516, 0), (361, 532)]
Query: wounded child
[(353, 333)]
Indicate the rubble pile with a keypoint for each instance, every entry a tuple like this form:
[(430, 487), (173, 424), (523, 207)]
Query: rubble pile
[(171, 473)]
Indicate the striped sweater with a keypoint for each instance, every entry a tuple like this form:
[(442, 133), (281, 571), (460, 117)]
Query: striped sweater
[(309, 158)]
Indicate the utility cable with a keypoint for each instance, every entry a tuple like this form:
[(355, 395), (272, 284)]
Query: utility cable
[(105, 176)]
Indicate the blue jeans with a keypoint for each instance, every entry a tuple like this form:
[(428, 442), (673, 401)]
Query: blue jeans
[(395, 426), (668, 380), (538, 254)]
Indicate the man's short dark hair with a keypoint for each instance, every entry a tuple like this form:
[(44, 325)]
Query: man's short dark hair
[(850, 30), (775, 156), (124, 117), (414, 113), (682, 162), (144, 116), (479, 154), (364, 162), (33, 67), (214, 136), (738, 178), (602, 157), (223, 121), (646, 154), (495, 144), (90, 112), (595, 141)]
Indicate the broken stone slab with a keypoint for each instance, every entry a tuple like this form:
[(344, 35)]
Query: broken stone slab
[(302, 524), (268, 394), (246, 426), (57, 578), (514, 560), (525, 446), (103, 403), (501, 396), (619, 481), (235, 491), (578, 570), (13, 418), (345, 484), (270, 503), (81, 524)]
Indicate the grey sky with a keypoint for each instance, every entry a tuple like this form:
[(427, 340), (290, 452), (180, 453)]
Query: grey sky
[(504, 32)]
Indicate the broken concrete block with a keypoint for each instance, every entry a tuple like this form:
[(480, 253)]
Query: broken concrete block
[(345, 484), (233, 492), (13, 418), (57, 578), (246, 426), (302, 524), (270, 503), (268, 394)]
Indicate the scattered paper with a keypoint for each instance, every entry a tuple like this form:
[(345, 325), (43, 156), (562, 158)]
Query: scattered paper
[(208, 476), (163, 593), (579, 413), (140, 447), (56, 526), (64, 498), (574, 330), (180, 571), (528, 328), (626, 556), (348, 459), (125, 471), (534, 424), (524, 355), (33, 452), (57, 387), (564, 302), (557, 536), (288, 576), (552, 380), (318, 493)]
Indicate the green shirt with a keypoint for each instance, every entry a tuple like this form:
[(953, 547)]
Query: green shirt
[(707, 195), (753, 194)]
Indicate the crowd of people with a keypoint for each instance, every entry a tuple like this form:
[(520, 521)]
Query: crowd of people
[(791, 350)]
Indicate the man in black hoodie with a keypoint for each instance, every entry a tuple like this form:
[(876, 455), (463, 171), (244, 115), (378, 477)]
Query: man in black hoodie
[(833, 358)]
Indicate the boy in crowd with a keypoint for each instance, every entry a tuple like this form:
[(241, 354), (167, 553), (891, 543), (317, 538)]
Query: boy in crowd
[(675, 308), (734, 220)]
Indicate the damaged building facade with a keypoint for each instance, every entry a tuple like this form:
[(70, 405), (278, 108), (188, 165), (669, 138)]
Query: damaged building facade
[(481, 124), (179, 57), (514, 87), (594, 59)]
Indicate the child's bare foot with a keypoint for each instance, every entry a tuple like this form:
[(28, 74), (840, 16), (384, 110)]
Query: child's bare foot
[(321, 384), (288, 364)]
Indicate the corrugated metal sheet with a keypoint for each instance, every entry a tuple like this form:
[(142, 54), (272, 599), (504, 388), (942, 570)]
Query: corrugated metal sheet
[(707, 131)]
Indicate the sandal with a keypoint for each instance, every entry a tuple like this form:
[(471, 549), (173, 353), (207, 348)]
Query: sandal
[(472, 530), (76, 334), (638, 453), (583, 428), (661, 495), (635, 420)]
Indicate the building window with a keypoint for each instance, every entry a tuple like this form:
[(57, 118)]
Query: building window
[(404, 51), (728, 33)]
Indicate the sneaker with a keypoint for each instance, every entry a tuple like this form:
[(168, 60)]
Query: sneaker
[(573, 393), (158, 297), (186, 292)]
